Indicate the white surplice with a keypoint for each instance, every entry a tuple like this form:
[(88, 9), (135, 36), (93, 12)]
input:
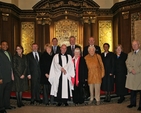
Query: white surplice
[(55, 73)]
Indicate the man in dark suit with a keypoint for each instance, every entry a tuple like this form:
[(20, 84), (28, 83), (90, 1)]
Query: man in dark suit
[(91, 43), (34, 73), (71, 48), (6, 77), (55, 47)]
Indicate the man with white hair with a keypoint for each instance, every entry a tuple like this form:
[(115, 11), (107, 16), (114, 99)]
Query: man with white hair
[(133, 81), (61, 71)]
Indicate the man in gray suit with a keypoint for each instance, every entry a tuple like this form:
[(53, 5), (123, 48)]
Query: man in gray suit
[(6, 77), (133, 81)]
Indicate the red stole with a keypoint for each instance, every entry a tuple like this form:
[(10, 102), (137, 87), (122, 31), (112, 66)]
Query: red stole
[(76, 79)]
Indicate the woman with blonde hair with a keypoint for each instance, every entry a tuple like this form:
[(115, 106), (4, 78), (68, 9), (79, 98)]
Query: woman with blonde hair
[(45, 63), (120, 73)]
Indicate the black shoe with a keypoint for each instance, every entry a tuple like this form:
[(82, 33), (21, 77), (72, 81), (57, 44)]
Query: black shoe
[(3, 111), (53, 103), (22, 104), (47, 104), (105, 100), (130, 106), (18, 105), (11, 107), (39, 101), (32, 103), (59, 104), (66, 104), (121, 100), (139, 109)]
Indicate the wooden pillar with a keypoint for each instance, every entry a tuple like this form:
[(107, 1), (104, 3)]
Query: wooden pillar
[(94, 32), (87, 33)]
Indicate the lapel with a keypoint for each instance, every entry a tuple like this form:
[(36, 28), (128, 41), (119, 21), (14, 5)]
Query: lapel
[(6, 56)]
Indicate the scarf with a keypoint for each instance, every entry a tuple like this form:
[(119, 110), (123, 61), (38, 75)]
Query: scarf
[(76, 79)]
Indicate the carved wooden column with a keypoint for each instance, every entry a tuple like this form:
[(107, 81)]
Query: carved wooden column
[(46, 33), (94, 30), (43, 32), (86, 31), (87, 34)]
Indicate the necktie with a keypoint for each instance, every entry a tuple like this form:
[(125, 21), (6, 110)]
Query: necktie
[(54, 49), (7, 54), (36, 58), (72, 49), (135, 52)]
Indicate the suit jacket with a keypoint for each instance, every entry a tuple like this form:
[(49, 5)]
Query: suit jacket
[(33, 66), (85, 50), (69, 51), (45, 65), (133, 61), (5, 67), (57, 51)]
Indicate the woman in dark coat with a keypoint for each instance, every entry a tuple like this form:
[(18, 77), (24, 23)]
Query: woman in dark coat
[(20, 83), (108, 80), (45, 63), (80, 77), (120, 73)]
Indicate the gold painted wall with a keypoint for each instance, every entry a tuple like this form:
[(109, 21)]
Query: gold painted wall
[(105, 34), (27, 36)]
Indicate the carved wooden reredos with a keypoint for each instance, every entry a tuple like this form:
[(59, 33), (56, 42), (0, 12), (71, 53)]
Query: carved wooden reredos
[(75, 8), (44, 21)]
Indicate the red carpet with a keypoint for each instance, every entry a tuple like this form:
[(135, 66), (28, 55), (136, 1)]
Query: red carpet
[(27, 95)]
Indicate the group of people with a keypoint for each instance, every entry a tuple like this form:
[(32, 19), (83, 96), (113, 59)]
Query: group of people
[(64, 71)]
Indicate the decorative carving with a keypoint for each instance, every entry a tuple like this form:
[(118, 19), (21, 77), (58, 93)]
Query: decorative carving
[(125, 15), (137, 32), (88, 20), (104, 12), (43, 21), (71, 3), (64, 29), (126, 5), (5, 16), (45, 6), (27, 36), (57, 5), (86, 5), (105, 34), (134, 18), (5, 10)]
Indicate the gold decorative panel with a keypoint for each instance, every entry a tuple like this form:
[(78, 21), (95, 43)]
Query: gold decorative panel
[(105, 34), (66, 28), (27, 36)]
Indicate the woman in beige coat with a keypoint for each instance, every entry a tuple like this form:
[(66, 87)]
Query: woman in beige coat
[(95, 73)]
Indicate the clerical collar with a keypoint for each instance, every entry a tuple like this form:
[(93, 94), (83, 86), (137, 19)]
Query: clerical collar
[(63, 54)]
